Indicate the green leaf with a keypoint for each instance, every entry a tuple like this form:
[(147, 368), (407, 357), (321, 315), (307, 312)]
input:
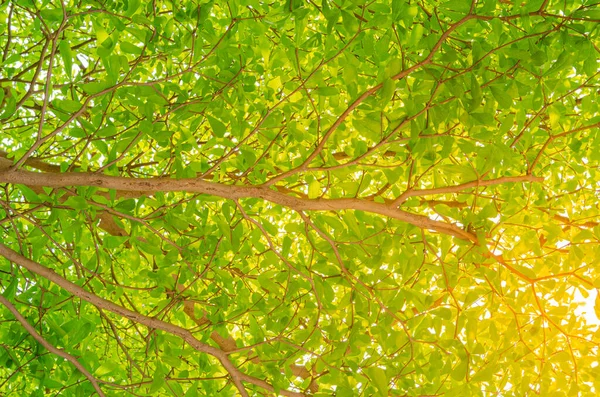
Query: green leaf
[(350, 73), (126, 205), (314, 189), (460, 371), (266, 281), (76, 202), (52, 15), (350, 22), (500, 94), (9, 106), (327, 91), (561, 62), (129, 48), (67, 55), (416, 34), (107, 131), (106, 368), (132, 7), (217, 127), (350, 221), (379, 379), (29, 194), (94, 88), (158, 380), (11, 289), (192, 390), (389, 86)]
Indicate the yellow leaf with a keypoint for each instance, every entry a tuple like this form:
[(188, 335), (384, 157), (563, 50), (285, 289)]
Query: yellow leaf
[(314, 189), (597, 305)]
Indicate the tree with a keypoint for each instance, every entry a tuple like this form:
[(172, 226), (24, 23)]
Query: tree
[(304, 198)]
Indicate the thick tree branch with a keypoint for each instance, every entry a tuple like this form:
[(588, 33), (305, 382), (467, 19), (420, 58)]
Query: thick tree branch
[(32, 162), (236, 375), (232, 192), (228, 344)]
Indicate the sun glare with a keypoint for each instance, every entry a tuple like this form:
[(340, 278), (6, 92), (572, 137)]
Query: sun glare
[(586, 310)]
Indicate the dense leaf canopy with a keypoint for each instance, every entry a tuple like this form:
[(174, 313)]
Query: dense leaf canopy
[(370, 198)]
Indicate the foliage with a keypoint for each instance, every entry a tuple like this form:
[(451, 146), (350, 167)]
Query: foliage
[(327, 197)]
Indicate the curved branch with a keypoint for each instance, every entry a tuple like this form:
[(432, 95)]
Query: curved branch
[(236, 375), (232, 192), (466, 185), (32, 162), (51, 347)]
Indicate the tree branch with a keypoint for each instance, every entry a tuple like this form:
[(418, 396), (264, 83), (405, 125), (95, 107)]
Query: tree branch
[(51, 347), (232, 192), (466, 185), (236, 375)]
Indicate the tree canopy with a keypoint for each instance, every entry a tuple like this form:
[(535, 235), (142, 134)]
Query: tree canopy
[(329, 197)]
